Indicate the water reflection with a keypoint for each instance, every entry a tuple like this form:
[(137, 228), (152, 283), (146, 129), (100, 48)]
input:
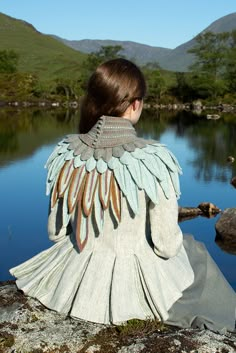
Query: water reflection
[(213, 142), (227, 244), (22, 132), (27, 137)]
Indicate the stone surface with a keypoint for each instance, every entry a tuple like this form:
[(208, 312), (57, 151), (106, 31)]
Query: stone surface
[(226, 230), (26, 326), (205, 209)]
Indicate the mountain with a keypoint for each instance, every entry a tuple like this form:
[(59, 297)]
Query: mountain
[(52, 57), (177, 59), (38, 53), (141, 53)]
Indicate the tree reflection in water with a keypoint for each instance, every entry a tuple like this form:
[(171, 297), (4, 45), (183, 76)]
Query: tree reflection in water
[(23, 131)]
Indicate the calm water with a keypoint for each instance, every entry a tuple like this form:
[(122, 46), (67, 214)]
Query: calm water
[(28, 137)]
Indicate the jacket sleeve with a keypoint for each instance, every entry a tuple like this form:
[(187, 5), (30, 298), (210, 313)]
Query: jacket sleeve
[(166, 234), (56, 231)]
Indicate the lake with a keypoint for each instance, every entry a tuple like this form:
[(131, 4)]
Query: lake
[(27, 137)]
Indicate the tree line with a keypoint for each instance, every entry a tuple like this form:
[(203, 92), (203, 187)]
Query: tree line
[(212, 76)]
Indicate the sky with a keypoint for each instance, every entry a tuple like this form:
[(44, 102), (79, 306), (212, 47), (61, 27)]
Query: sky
[(160, 23)]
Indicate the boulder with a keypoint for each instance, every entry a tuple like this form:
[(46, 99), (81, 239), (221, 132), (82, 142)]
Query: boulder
[(26, 326), (233, 182), (226, 230)]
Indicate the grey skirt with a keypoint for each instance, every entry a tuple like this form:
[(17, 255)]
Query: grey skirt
[(210, 301)]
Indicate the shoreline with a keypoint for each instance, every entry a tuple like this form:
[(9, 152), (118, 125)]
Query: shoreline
[(195, 107)]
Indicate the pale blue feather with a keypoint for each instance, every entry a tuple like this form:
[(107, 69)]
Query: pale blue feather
[(153, 166), (78, 162), (167, 159), (113, 163), (119, 175), (65, 213), (90, 164), (149, 183), (53, 155), (135, 171), (55, 167), (165, 183), (175, 182), (101, 166), (68, 155), (131, 191), (126, 158), (138, 153)]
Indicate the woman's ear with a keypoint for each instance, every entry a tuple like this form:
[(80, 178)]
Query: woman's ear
[(136, 104)]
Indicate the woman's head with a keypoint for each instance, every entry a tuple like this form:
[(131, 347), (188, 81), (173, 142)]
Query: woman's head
[(112, 88)]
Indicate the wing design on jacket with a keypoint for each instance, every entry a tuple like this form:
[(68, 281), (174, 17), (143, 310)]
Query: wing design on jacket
[(89, 180)]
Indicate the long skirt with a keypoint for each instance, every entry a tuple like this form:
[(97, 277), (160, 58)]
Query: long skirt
[(209, 302), (55, 278)]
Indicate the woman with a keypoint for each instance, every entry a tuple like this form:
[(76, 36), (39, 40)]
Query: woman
[(119, 251)]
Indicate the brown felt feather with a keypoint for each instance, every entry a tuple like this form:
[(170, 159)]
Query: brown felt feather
[(104, 188), (81, 222), (65, 176), (54, 195), (91, 185), (115, 199), (76, 187)]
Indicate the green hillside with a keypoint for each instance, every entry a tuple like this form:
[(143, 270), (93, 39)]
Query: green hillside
[(38, 53)]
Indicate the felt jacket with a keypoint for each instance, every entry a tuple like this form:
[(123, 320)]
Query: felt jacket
[(118, 250)]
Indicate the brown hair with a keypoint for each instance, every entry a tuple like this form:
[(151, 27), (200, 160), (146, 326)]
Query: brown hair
[(111, 89)]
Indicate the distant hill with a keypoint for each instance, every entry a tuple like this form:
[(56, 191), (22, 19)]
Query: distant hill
[(39, 53), (50, 56), (141, 53), (177, 59)]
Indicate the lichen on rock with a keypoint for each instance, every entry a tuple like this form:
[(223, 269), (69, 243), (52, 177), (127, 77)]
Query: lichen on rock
[(26, 326)]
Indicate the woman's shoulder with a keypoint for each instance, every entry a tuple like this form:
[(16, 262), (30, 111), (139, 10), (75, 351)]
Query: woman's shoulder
[(138, 147), (139, 162), (92, 175)]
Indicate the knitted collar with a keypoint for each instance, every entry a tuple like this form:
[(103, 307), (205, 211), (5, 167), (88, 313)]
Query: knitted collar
[(109, 131), (110, 136)]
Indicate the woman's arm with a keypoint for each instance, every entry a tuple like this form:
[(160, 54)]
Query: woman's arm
[(56, 230), (166, 235)]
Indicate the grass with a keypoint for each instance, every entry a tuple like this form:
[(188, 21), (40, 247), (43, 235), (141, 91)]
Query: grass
[(140, 328), (40, 54)]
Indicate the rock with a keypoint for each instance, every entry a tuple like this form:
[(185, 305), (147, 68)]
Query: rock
[(197, 106), (187, 213), (55, 104), (226, 230), (209, 209), (230, 159), (233, 182), (26, 326), (206, 209), (213, 116)]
